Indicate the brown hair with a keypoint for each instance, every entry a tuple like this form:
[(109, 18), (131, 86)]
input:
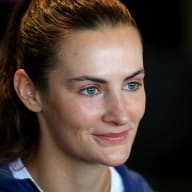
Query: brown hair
[(31, 40)]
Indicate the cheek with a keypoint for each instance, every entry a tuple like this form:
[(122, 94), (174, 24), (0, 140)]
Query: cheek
[(138, 108), (76, 113)]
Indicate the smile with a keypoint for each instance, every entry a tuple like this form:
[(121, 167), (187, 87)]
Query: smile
[(112, 138)]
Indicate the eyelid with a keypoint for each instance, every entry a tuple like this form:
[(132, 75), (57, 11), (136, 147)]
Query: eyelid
[(137, 83), (89, 87)]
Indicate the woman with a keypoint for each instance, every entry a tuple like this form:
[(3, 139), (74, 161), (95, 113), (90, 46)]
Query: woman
[(71, 96)]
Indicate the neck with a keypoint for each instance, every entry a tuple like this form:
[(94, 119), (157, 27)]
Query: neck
[(56, 173)]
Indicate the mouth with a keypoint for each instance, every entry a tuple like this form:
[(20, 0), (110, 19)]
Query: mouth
[(112, 138)]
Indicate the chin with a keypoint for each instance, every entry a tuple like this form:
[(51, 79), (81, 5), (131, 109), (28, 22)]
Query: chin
[(116, 159)]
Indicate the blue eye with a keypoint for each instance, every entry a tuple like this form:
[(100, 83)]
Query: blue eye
[(89, 91), (132, 86)]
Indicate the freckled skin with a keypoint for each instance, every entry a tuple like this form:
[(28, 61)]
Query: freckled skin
[(70, 118)]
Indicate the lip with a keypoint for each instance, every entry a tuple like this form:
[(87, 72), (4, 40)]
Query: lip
[(112, 138)]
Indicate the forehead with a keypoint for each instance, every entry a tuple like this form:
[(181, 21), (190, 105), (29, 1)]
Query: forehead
[(104, 35), (88, 49)]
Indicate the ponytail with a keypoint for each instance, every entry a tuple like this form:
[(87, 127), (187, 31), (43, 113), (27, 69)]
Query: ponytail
[(8, 62), (11, 108)]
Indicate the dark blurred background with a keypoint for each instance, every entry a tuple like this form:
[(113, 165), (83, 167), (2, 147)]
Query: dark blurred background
[(162, 148)]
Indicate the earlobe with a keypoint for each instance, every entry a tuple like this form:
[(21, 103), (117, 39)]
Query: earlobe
[(26, 91)]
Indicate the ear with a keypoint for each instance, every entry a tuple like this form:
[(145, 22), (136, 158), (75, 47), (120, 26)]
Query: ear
[(26, 91)]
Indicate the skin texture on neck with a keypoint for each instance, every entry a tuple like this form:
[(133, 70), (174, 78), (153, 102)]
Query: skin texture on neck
[(53, 173)]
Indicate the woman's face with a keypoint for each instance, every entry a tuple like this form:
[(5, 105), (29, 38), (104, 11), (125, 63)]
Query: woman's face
[(96, 96)]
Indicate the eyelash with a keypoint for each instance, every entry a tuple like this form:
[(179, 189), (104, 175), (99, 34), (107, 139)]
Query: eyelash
[(136, 86), (84, 90), (94, 90)]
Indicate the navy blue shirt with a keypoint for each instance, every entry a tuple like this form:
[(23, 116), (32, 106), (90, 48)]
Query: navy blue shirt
[(132, 181)]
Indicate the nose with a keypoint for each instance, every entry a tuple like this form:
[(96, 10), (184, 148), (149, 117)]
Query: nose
[(116, 111)]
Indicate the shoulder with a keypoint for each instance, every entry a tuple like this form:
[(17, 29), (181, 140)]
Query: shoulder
[(10, 184), (133, 181)]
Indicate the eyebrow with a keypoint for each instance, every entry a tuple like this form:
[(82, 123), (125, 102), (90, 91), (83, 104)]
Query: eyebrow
[(100, 80), (139, 72)]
